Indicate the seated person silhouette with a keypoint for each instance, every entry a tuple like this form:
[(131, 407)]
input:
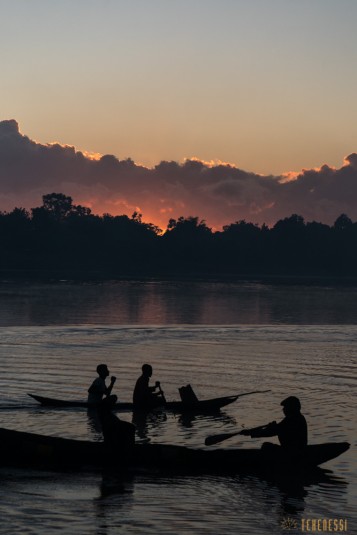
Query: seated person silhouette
[(144, 396), (118, 435), (98, 388), (291, 431)]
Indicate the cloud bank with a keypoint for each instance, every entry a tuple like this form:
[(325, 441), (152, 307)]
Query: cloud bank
[(219, 193)]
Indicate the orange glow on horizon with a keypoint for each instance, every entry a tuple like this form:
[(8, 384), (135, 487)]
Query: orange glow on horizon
[(122, 207)]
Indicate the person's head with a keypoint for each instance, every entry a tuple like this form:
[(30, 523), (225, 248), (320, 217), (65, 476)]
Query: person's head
[(147, 370), (102, 370), (291, 405)]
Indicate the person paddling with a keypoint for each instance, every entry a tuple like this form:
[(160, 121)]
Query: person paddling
[(145, 396), (98, 388), (291, 431)]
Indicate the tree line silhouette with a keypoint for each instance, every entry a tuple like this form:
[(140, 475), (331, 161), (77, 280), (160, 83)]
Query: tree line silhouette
[(62, 237)]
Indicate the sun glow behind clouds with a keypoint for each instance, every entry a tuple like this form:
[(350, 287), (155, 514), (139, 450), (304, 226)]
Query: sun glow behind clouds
[(92, 155), (291, 176), (211, 163)]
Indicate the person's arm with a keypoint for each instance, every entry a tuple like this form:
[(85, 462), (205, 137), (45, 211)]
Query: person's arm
[(153, 388), (110, 387), (269, 430)]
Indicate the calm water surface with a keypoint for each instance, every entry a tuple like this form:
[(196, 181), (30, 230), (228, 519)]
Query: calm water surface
[(222, 339)]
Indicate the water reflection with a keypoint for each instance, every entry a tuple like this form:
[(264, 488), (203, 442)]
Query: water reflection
[(294, 491), (152, 423), (291, 494), (165, 302), (115, 499), (145, 421), (187, 420), (262, 504), (94, 425), (115, 485)]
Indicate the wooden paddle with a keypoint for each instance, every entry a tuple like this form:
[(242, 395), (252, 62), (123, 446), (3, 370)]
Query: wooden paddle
[(254, 392), (214, 439), (162, 394)]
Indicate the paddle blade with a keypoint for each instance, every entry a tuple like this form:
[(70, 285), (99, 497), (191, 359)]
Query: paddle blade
[(214, 439)]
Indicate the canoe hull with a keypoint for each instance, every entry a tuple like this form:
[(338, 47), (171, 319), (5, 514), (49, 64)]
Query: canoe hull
[(202, 406), (39, 451)]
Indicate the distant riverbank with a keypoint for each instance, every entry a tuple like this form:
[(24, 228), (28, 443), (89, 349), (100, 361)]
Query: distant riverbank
[(80, 275)]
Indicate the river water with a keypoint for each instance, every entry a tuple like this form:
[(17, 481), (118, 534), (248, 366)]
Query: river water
[(222, 338)]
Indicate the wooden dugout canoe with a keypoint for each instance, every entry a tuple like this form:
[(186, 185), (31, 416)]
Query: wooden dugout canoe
[(40, 451), (200, 406)]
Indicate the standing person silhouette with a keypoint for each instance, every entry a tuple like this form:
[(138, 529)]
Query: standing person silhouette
[(144, 396), (98, 388)]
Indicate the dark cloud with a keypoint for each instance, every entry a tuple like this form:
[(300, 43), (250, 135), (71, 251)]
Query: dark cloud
[(220, 194)]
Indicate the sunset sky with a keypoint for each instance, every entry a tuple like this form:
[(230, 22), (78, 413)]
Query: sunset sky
[(266, 86)]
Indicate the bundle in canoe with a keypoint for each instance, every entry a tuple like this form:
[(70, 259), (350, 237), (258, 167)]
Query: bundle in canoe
[(198, 406), (39, 451)]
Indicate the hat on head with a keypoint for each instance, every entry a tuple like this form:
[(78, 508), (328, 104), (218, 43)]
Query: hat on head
[(291, 402)]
